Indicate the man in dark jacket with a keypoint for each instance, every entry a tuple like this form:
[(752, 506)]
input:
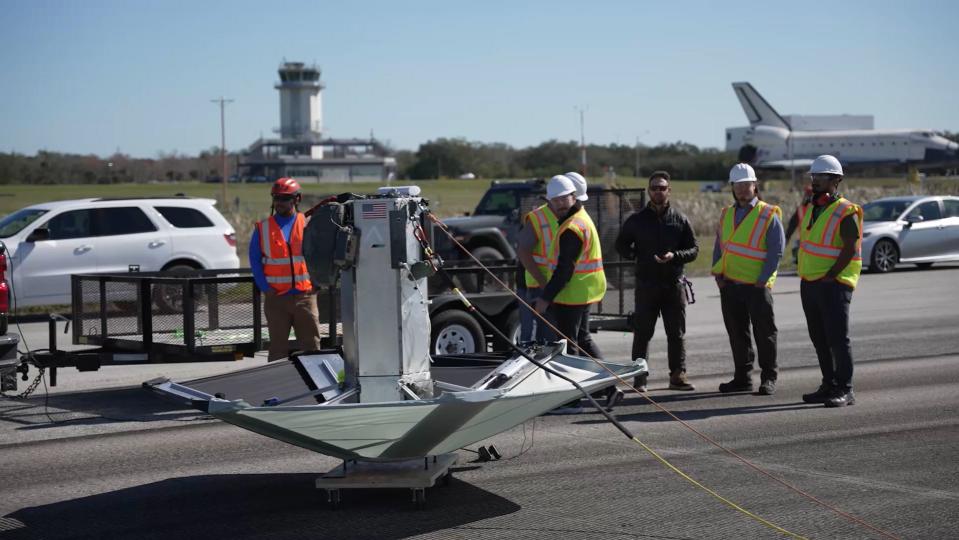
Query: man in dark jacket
[(661, 241)]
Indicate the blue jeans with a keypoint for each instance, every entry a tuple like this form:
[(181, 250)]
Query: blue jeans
[(531, 327)]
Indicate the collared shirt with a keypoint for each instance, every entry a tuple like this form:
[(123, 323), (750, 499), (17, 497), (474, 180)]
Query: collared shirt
[(775, 240), (256, 252)]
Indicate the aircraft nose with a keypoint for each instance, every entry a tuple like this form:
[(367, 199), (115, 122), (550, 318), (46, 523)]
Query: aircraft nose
[(953, 147)]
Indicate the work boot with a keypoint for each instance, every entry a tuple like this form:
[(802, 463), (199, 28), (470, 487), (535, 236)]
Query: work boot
[(841, 398), (677, 381), (767, 388), (736, 385), (823, 393), (639, 382)]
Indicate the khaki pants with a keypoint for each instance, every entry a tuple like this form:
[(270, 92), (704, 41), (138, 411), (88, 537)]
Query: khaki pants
[(297, 311)]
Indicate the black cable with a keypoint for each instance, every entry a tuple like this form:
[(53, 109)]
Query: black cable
[(498, 333)]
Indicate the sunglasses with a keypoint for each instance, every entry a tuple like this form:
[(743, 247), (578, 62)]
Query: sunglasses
[(658, 188), (284, 198)]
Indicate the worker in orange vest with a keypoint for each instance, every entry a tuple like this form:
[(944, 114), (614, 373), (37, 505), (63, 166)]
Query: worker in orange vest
[(279, 270)]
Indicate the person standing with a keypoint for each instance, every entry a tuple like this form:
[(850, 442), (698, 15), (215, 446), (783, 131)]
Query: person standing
[(279, 270), (576, 278), (746, 255), (830, 261), (661, 241), (535, 241)]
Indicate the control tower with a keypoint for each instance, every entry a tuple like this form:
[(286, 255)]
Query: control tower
[(302, 149), (301, 115)]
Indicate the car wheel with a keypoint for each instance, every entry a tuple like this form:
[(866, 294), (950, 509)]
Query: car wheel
[(456, 332), (168, 298), (923, 266), (885, 255)]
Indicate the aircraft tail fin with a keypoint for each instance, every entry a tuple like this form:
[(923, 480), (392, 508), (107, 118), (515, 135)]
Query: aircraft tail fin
[(758, 110)]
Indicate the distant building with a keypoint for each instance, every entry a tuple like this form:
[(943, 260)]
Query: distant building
[(301, 151)]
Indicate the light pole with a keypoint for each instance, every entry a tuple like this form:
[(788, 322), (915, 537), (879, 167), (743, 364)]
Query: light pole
[(637, 151), (582, 140), (223, 103)]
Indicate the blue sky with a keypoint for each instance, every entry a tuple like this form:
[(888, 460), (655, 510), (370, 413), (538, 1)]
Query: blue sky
[(98, 76)]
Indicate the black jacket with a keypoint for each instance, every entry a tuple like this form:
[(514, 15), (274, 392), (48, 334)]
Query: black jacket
[(645, 234)]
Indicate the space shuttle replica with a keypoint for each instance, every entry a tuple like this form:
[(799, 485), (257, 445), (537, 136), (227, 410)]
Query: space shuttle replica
[(381, 396)]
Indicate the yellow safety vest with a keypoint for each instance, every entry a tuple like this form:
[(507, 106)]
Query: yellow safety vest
[(542, 221), (819, 246), (588, 284), (743, 246)]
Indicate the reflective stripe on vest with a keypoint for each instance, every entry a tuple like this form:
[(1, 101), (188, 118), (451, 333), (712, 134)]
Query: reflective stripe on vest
[(588, 283), (543, 222), (743, 246), (284, 265), (820, 246)]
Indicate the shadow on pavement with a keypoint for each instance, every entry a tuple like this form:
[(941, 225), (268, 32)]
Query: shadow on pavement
[(254, 505), (653, 415), (97, 407)]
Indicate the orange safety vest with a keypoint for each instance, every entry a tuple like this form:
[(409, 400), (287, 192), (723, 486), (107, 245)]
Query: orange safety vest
[(283, 262)]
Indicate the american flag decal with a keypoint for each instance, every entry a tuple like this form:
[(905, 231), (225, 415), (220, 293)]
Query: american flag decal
[(376, 210)]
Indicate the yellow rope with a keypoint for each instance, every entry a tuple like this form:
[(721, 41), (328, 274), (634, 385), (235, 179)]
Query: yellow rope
[(726, 501)]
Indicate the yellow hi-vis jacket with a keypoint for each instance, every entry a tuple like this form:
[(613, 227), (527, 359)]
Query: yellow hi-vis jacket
[(283, 263), (542, 221), (588, 284), (819, 246), (744, 246)]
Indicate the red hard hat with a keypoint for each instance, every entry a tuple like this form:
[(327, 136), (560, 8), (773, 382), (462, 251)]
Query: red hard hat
[(285, 186)]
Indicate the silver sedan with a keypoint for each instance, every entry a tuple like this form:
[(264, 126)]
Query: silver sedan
[(919, 229)]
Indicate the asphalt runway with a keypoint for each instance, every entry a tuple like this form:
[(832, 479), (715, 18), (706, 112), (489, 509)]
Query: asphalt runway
[(100, 458)]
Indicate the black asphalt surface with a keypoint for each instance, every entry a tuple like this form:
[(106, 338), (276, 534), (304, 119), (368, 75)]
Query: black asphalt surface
[(119, 463)]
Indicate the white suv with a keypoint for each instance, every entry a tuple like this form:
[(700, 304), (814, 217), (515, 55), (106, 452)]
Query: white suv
[(48, 242)]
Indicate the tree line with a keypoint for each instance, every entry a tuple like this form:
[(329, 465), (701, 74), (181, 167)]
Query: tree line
[(439, 158)]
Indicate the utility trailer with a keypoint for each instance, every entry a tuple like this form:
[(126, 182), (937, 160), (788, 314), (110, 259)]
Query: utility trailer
[(156, 317)]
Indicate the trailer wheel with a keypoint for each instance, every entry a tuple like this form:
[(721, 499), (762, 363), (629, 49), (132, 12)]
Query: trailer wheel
[(456, 332)]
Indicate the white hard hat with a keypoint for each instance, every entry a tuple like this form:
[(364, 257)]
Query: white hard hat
[(558, 186), (741, 172), (826, 164), (580, 184)]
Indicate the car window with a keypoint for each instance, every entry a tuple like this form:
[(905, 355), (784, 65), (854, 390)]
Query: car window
[(72, 224), (184, 218), (123, 220), (928, 211), (884, 210), (15, 222), (497, 203), (952, 207)]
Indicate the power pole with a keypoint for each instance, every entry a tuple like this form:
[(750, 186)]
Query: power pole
[(637, 157), (223, 103), (582, 142)]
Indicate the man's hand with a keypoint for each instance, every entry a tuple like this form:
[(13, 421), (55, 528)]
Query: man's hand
[(827, 279), (665, 258), (540, 305), (760, 284)]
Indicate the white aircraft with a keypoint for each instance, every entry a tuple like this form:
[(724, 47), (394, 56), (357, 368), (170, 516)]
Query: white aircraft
[(779, 146)]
